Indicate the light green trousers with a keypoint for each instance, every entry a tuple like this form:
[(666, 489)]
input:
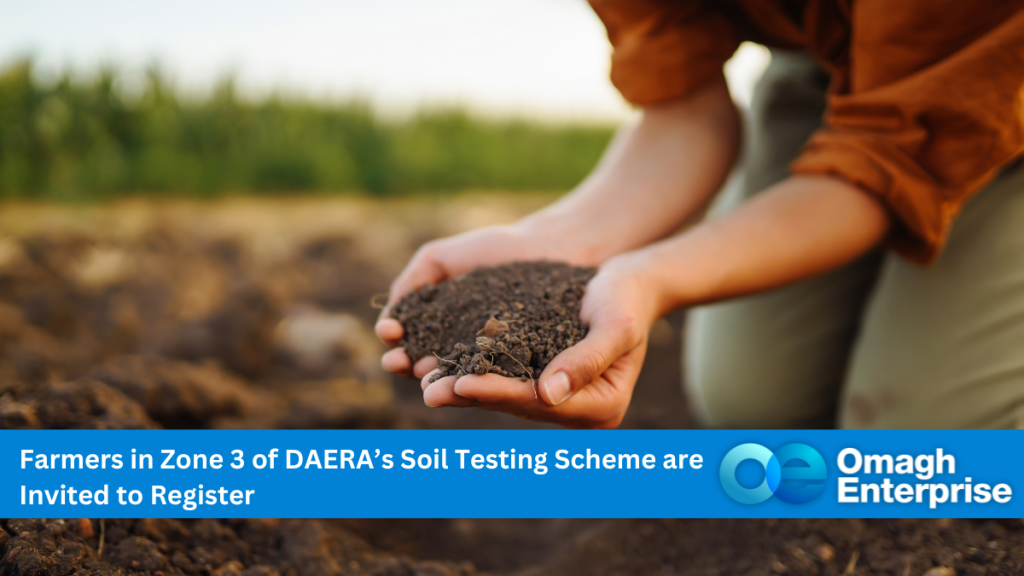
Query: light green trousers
[(882, 342)]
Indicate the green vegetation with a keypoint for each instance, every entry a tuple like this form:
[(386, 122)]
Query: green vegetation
[(86, 140)]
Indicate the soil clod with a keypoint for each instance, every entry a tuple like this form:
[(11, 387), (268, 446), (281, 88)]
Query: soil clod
[(510, 320)]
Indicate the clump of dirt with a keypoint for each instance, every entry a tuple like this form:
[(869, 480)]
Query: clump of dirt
[(510, 320), (796, 547), (72, 300), (177, 394), (80, 405), (201, 547)]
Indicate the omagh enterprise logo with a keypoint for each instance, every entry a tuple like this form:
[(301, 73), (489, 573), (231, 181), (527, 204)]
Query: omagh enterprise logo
[(795, 473)]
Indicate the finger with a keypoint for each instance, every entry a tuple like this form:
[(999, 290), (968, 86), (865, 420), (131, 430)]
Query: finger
[(425, 379), (579, 365), (422, 269), (491, 388), (385, 312), (397, 361), (424, 365), (390, 331), (441, 393)]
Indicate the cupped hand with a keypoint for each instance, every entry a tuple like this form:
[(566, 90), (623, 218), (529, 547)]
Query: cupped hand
[(588, 385), (449, 257)]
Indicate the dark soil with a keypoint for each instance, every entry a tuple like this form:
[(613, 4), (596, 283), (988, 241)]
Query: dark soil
[(510, 320), (173, 328), (521, 547), (81, 404), (795, 547), (199, 548)]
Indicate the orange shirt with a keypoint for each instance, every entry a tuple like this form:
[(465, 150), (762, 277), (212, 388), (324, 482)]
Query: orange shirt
[(925, 106)]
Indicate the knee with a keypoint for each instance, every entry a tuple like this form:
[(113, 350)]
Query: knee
[(743, 385), (723, 395)]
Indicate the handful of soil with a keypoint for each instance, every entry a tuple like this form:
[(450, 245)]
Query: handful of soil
[(510, 320)]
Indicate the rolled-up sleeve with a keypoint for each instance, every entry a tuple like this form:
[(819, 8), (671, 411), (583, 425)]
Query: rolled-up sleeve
[(664, 50), (932, 109)]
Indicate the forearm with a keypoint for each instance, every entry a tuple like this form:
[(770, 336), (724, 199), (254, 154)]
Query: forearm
[(653, 177), (799, 228)]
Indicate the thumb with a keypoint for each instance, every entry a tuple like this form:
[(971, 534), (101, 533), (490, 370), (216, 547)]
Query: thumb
[(423, 268), (579, 365)]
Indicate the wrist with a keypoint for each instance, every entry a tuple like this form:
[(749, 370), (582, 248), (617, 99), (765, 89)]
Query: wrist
[(674, 273), (640, 269), (566, 235)]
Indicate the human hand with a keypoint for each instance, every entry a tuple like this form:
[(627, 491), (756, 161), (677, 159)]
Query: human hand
[(450, 257), (588, 385)]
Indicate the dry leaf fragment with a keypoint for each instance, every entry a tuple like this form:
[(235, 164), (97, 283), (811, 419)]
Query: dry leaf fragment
[(826, 552), (493, 328), (85, 528)]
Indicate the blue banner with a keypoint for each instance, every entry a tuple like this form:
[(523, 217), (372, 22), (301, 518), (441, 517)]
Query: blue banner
[(511, 474)]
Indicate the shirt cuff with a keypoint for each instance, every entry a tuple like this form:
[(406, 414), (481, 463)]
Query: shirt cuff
[(923, 210)]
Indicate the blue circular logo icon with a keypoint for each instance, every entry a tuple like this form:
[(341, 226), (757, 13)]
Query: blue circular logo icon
[(794, 473)]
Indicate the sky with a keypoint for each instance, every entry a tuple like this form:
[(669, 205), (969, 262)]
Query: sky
[(532, 58)]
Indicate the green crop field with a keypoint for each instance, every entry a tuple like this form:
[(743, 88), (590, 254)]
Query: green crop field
[(87, 140)]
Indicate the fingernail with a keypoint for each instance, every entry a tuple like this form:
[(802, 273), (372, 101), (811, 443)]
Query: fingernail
[(557, 388), (460, 389), (429, 405)]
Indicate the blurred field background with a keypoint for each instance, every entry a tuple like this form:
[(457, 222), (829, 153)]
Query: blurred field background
[(84, 139), (396, 98)]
